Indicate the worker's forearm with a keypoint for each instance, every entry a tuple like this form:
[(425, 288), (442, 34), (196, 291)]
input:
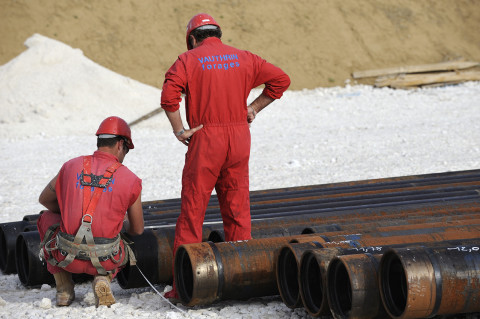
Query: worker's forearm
[(175, 120), (48, 197), (261, 102)]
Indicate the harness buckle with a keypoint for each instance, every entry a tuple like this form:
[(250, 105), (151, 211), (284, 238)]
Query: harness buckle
[(90, 219)]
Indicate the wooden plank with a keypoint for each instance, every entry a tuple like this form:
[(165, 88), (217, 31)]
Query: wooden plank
[(425, 79), (443, 66)]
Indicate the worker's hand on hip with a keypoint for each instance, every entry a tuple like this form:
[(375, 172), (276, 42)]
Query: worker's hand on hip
[(251, 114), (187, 134)]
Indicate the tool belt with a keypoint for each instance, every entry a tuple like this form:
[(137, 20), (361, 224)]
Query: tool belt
[(103, 249)]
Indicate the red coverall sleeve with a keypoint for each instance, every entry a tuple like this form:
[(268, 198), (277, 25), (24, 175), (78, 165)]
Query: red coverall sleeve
[(276, 81), (173, 86)]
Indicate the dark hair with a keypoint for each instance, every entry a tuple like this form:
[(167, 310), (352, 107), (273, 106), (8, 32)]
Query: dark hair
[(110, 142), (201, 34)]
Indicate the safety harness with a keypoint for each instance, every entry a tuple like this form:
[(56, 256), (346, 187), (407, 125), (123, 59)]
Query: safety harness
[(83, 245)]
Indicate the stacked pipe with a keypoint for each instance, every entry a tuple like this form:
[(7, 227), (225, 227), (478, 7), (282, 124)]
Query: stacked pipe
[(197, 286), (385, 212), (431, 281), (314, 203)]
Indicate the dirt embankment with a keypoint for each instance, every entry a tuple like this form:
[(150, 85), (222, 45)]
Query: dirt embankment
[(318, 43)]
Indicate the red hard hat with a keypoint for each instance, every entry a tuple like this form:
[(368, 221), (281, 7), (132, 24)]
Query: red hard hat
[(114, 125), (199, 20)]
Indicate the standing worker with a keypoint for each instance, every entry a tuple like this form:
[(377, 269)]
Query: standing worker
[(87, 202), (216, 80)]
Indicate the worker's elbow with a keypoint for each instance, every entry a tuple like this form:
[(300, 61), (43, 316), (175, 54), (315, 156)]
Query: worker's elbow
[(135, 232), (42, 199)]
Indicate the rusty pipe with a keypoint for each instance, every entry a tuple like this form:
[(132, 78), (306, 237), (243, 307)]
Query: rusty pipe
[(161, 239), (153, 251), (154, 248), (328, 205), (289, 256), (426, 282), (352, 287), (313, 273), (451, 234), (312, 279), (31, 270), (8, 236), (298, 226), (324, 193), (263, 196), (207, 272), (287, 271)]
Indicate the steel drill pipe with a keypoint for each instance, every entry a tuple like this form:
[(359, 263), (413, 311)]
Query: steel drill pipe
[(151, 259), (352, 287), (354, 240), (335, 219), (298, 205), (153, 248), (161, 240), (342, 203), (31, 270), (289, 256), (284, 227), (312, 279), (32, 217), (314, 268), (364, 186), (379, 191), (331, 207), (313, 271), (427, 282), (207, 272), (305, 191), (154, 252), (8, 237), (288, 260)]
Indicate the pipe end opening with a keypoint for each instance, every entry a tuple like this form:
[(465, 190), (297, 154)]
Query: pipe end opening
[(339, 288), (287, 274), (393, 284), (311, 284)]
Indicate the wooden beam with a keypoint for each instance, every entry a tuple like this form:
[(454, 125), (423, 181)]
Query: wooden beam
[(443, 66), (409, 80)]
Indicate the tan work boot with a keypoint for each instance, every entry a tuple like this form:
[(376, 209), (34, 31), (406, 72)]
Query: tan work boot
[(101, 290), (65, 288)]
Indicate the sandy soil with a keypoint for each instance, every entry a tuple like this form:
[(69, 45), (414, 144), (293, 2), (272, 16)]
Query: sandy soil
[(318, 43)]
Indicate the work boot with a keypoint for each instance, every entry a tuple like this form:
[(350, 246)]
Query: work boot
[(101, 290), (65, 288)]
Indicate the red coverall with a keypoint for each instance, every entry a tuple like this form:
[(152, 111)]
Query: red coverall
[(108, 217), (217, 80)]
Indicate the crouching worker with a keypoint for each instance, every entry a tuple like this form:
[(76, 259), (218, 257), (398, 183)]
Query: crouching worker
[(88, 202)]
